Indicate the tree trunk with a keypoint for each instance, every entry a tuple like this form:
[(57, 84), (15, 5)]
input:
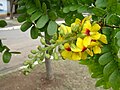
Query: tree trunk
[(49, 72), (11, 9)]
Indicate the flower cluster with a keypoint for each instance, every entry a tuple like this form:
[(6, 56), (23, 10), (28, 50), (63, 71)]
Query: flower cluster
[(81, 40)]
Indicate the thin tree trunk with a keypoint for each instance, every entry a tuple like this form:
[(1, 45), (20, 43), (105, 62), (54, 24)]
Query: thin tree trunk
[(11, 9), (49, 72)]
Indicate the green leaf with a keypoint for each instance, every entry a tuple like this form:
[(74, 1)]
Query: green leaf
[(38, 4), (101, 3), (42, 21), (34, 32), (105, 49), (113, 20), (52, 28), (66, 9), (52, 15), (118, 42), (106, 30), (35, 15), (109, 68), (82, 9), (44, 7), (111, 6), (2, 23), (1, 46), (100, 82), (74, 7), (117, 35), (118, 9), (115, 80), (98, 11), (22, 17), (21, 9), (6, 56), (105, 58), (31, 10), (25, 26)]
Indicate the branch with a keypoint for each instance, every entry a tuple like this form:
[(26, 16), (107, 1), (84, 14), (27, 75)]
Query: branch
[(112, 26)]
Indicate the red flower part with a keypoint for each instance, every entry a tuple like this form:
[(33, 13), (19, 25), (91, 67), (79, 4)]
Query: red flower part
[(87, 32), (84, 48), (68, 49), (93, 40)]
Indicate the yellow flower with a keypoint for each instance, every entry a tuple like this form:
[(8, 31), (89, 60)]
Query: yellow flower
[(81, 47), (91, 31), (76, 25), (64, 29), (68, 54)]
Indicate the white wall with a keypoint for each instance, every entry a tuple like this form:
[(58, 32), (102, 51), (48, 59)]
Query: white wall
[(3, 8)]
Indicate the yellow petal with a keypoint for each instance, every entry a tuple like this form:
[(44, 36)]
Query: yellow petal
[(77, 21), (60, 38), (95, 28), (75, 48), (103, 39), (87, 41), (79, 43), (93, 44), (86, 25), (66, 45), (96, 36), (68, 29), (63, 27), (66, 54), (83, 55), (97, 50), (89, 52), (76, 56), (86, 18)]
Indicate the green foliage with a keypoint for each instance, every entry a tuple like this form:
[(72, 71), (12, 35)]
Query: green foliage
[(113, 20), (34, 32), (52, 28), (6, 56), (105, 58), (42, 21), (25, 26), (2, 23)]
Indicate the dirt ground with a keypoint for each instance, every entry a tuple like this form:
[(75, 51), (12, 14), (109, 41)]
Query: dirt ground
[(69, 75)]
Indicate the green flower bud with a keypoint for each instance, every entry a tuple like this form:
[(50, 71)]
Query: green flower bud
[(55, 55), (33, 51), (52, 41), (75, 27), (39, 48), (42, 57), (61, 47), (47, 55), (42, 40), (30, 56), (26, 62)]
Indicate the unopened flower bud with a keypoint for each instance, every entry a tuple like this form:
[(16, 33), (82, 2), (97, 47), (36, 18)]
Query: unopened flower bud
[(39, 48), (30, 56), (33, 51), (61, 47), (52, 41), (42, 40), (55, 55), (47, 55)]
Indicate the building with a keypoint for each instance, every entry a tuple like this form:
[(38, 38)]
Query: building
[(5, 7)]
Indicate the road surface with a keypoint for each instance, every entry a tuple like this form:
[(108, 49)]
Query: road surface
[(17, 41)]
